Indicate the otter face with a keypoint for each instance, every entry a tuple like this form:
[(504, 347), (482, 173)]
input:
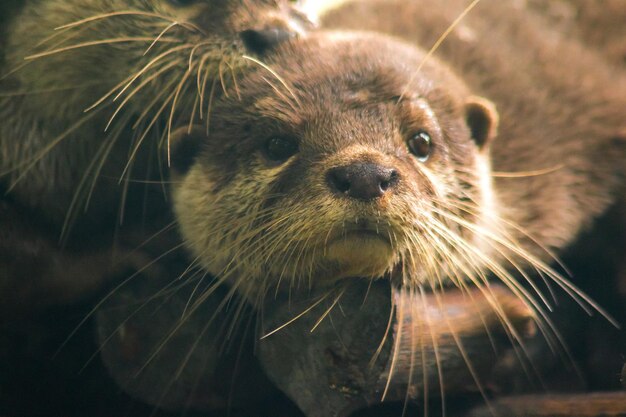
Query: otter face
[(337, 159)]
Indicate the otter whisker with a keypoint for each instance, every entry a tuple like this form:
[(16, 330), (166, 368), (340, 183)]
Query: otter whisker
[(164, 229), (210, 104), (194, 111), (298, 259), (97, 43), (150, 64), (54, 36), (414, 313), (468, 274), (422, 352), (571, 289), (553, 256), (304, 312), (137, 89), (112, 14), (275, 74), (192, 53), (463, 352), (379, 349), (104, 299), (435, 345), (160, 36), (437, 44), (144, 303), (500, 221), (526, 174), (141, 118), (519, 268), (396, 347), (461, 244), (232, 73), (177, 327), (551, 334), (474, 273), (522, 272), (43, 41), (147, 130), (327, 312), (201, 82), (497, 269), (96, 162), (280, 93), (50, 90), (220, 71), (195, 289)]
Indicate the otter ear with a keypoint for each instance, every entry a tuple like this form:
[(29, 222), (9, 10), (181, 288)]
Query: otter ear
[(184, 147), (482, 118)]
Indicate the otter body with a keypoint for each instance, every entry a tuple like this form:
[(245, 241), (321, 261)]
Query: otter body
[(91, 93)]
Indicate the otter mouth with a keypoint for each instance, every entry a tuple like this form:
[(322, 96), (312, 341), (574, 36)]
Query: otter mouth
[(363, 230)]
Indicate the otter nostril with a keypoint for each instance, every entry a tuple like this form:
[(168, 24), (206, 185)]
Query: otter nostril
[(259, 41), (339, 180), (362, 181)]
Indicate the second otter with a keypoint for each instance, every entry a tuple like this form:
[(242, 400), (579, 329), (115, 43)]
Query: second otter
[(89, 94)]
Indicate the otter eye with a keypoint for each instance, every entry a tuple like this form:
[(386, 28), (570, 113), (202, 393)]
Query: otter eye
[(420, 145), (279, 148)]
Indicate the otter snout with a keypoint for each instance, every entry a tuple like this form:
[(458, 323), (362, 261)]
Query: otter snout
[(363, 181)]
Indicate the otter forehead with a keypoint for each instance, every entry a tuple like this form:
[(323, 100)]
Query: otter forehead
[(347, 65), (332, 91), (330, 73)]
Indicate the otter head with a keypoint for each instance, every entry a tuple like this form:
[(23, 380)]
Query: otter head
[(342, 156), (102, 53)]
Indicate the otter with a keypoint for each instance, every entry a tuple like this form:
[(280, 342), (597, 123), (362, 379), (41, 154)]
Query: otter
[(390, 152), (90, 93), (378, 159)]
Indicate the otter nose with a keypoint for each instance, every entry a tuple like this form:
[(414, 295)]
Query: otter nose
[(362, 181), (259, 41)]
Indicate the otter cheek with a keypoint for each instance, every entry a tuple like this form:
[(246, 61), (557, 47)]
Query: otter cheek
[(193, 204)]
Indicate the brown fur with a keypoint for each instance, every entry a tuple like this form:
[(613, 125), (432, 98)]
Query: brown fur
[(60, 165), (601, 24)]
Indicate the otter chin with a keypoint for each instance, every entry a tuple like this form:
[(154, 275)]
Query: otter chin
[(349, 165), (359, 255)]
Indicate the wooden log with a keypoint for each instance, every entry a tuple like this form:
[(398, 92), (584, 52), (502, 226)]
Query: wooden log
[(607, 404)]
